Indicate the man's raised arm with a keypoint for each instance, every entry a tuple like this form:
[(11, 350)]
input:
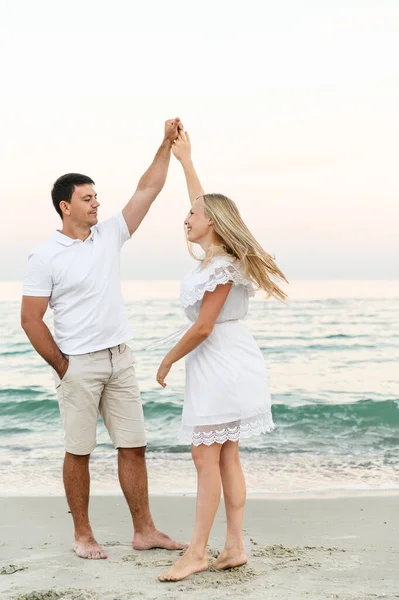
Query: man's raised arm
[(153, 180)]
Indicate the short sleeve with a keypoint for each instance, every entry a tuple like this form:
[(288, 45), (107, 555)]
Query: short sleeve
[(38, 279), (115, 228), (219, 272)]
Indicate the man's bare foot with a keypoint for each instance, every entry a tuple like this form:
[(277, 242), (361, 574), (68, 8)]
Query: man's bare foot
[(229, 559), (88, 548), (156, 539), (185, 566)]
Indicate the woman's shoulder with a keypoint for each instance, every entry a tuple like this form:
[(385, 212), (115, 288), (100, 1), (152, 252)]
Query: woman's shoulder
[(224, 260), (203, 278), (221, 261), (225, 264), (203, 270)]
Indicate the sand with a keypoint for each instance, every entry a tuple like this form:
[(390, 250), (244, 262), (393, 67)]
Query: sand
[(324, 548)]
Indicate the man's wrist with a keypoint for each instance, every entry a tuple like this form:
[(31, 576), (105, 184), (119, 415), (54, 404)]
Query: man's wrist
[(167, 143), (61, 363)]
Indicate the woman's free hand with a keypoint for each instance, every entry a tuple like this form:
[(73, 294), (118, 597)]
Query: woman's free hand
[(163, 370), (181, 147)]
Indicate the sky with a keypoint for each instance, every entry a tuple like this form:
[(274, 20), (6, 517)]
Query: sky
[(292, 109)]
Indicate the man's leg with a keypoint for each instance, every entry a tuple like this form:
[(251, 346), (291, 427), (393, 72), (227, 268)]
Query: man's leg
[(122, 412), (133, 479), (77, 489), (79, 395)]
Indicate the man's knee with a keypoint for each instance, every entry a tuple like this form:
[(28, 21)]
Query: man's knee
[(82, 458), (132, 453)]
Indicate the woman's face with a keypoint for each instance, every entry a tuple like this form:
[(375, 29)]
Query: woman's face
[(197, 224)]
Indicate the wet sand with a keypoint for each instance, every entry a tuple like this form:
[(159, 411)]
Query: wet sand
[(313, 548)]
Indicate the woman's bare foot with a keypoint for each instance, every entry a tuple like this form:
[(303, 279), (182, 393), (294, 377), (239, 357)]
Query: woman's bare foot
[(185, 566), (229, 559), (87, 547), (155, 539)]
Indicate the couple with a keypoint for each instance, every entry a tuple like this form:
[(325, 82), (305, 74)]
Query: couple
[(77, 272)]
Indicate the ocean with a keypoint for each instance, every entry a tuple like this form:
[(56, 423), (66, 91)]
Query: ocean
[(332, 356)]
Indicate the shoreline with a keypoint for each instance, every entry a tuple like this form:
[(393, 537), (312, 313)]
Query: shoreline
[(329, 494), (312, 548)]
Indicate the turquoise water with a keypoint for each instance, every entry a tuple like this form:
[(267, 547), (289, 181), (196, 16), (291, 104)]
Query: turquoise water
[(333, 361)]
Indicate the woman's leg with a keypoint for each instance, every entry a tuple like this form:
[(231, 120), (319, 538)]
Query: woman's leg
[(195, 559), (234, 491)]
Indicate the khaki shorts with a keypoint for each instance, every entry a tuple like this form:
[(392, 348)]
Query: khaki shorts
[(104, 383)]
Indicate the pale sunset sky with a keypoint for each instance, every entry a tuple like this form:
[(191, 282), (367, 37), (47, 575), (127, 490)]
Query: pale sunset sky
[(292, 108)]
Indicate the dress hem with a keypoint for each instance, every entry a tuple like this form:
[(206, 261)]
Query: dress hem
[(233, 432)]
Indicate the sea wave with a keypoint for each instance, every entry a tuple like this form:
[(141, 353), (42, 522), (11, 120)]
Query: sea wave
[(30, 409), (363, 413), (16, 352), (36, 403), (21, 392)]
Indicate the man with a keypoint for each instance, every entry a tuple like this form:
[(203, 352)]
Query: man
[(77, 271)]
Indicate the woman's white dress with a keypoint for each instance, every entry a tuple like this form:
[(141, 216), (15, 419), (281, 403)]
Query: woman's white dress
[(226, 395)]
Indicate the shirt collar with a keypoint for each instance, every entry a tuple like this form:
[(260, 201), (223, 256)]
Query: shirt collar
[(67, 241)]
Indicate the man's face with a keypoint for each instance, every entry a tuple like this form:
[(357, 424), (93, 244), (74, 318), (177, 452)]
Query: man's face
[(83, 206)]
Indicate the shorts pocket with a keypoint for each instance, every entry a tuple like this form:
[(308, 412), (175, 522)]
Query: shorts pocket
[(68, 369), (128, 351), (58, 381)]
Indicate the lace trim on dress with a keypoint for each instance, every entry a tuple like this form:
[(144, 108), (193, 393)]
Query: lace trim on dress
[(220, 275), (234, 431)]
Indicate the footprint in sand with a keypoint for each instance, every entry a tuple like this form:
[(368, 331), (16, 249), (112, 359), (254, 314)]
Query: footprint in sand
[(156, 559), (10, 569), (281, 557), (68, 594)]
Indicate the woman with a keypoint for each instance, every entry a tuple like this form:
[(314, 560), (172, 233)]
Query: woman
[(226, 394)]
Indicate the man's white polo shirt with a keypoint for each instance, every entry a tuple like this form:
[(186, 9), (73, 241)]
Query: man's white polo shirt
[(82, 280)]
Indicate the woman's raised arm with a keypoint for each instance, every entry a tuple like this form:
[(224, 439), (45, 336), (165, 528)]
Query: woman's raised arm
[(182, 150)]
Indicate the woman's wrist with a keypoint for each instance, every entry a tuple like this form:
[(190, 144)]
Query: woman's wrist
[(187, 163), (167, 361)]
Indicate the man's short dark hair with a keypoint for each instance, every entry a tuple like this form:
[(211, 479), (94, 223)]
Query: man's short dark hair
[(64, 187)]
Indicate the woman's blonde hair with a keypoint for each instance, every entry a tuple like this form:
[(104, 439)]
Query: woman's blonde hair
[(237, 241)]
